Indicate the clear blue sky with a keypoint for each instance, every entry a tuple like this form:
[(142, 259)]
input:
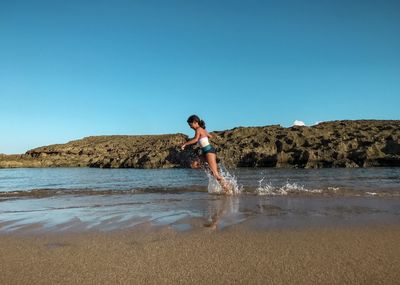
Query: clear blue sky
[(70, 68)]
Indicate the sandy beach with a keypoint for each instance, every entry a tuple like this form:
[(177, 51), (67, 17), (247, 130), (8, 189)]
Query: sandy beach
[(321, 227), (237, 255)]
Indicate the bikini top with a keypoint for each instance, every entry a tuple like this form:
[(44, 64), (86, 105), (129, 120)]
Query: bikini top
[(203, 142)]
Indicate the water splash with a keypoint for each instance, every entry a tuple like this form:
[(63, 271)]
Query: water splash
[(287, 188), (267, 189), (233, 187)]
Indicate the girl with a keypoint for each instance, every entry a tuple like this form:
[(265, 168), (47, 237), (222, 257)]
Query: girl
[(201, 137)]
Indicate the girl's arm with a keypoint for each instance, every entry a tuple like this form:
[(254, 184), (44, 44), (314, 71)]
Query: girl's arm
[(192, 141)]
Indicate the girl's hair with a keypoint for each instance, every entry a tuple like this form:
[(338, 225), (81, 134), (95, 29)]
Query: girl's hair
[(195, 118)]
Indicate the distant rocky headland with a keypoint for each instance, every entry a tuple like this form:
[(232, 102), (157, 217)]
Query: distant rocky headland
[(361, 143)]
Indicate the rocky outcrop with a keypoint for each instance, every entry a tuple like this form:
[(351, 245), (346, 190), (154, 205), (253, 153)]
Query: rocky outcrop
[(161, 151), (361, 143)]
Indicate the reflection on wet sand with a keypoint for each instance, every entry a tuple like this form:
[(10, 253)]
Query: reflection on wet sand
[(224, 208), (187, 211)]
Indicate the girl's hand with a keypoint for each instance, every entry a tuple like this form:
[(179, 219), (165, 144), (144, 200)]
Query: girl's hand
[(183, 147)]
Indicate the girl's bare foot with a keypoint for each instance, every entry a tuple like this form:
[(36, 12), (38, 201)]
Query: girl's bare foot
[(212, 225), (224, 185)]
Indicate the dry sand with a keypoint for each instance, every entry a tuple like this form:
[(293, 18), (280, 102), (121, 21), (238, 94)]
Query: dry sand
[(364, 255)]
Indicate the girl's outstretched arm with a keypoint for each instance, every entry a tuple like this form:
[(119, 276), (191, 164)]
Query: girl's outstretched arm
[(192, 141)]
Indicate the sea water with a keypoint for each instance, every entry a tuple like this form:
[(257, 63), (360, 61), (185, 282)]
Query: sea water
[(58, 199)]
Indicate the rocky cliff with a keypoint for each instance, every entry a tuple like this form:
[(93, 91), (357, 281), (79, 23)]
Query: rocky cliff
[(361, 143)]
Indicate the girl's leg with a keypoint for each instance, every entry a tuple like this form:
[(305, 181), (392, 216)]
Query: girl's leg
[(211, 159)]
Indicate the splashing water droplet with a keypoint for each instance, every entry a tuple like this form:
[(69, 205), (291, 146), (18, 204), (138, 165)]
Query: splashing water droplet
[(287, 188), (266, 189), (230, 182)]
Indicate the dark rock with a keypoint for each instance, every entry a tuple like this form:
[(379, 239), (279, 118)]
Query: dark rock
[(361, 143)]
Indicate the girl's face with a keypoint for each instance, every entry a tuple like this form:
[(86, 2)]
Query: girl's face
[(194, 125)]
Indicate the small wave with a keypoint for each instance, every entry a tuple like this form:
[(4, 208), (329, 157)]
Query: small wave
[(50, 209), (293, 188), (288, 188), (42, 193), (264, 188)]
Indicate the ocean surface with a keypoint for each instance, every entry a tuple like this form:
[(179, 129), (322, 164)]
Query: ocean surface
[(79, 199)]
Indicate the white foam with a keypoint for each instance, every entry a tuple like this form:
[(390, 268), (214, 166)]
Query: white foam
[(334, 189), (271, 190)]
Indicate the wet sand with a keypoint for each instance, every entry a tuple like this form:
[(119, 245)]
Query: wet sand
[(236, 255)]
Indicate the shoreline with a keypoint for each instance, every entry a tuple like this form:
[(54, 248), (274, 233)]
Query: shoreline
[(367, 254)]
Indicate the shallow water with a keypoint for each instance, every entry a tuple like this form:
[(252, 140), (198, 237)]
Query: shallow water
[(58, 199)]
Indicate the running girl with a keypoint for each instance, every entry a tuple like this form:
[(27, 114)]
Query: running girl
[(201, 137)]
